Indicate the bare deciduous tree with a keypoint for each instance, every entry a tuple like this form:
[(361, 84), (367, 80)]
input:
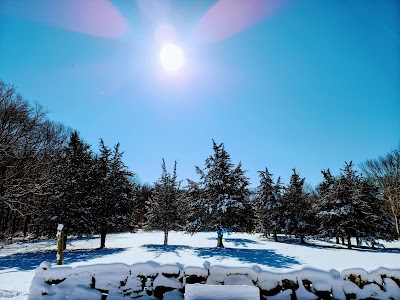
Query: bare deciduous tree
[(385, 171), (29, 143)]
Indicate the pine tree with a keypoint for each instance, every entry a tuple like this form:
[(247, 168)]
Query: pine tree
[(113, 193), (74, 187), (297, 208), (375, 223), (270, 203), (166, 206), (326, 213), (349, 206), (219, 201), (347, 202)]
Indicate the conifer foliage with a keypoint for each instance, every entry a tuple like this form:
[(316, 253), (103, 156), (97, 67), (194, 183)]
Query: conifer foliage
[(75, 196), (349, 206), (270, 204), (298, 216), (93, 194), (326, 215), (166, 205), (220, 199), (113, 192)]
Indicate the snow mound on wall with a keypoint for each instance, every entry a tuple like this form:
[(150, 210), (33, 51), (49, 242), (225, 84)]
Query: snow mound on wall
[(151, 280), (221, 292)]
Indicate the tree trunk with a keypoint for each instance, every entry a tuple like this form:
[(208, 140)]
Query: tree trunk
[(349, 241), (337, 240), (343, 241), (396, 222), (275, 236), (26, 222), (220, 237), (103, 233), (302, 241), (220, 244), (5, 224), (395, 214), (165, 237), (357, 240), (14, 224)]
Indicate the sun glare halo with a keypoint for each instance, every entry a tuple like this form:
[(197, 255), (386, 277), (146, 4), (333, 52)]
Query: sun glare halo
[(171, 57)]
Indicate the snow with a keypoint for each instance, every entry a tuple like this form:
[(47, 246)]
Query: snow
[(197, 254), (164, 281), (173, 295), (221, 292), (201, 272)]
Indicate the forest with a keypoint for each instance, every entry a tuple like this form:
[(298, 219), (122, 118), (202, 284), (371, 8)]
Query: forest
[(49, 175)]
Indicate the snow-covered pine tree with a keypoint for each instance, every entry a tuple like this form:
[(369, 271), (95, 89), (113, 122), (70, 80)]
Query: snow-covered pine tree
[(349, 206), (102, 192), (373, 221), (246, 216), (166, 205), (220, 199), (113, 193), (297, 208), (74, 187), (347, 203), (270, 203), (326, 208)]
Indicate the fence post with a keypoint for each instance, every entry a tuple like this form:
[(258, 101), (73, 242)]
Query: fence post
[(60, 241)]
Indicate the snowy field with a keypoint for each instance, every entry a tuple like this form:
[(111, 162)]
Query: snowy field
[(19, 260)]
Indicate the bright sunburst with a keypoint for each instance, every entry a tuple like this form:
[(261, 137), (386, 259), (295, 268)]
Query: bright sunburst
[(171, 57)]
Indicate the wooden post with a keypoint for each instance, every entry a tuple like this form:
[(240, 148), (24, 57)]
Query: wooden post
[(60, 242)]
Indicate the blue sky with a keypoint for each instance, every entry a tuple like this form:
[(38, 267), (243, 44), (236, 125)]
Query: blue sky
[(310, 84)]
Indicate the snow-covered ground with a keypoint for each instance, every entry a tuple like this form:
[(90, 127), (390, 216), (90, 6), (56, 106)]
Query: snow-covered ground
[(19, 260)]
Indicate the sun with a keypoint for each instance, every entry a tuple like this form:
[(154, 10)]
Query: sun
[(171, 57)]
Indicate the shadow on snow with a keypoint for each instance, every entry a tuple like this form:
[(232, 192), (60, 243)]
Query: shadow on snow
[(31, 260), (253, 256), (353, 248), (238, 242)]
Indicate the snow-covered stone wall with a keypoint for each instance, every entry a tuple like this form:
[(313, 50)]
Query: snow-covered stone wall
[(153, 281)]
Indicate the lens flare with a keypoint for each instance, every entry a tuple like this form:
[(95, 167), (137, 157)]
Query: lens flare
[(98, 18), (228, 17)]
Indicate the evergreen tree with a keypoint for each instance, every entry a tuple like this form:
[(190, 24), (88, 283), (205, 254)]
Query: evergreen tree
[(219, 201), (74, 188), (326, 213), (166, 206), (297, 208), (270, 203), (349, 206), (113, 193), (347, 203), (374, 222)]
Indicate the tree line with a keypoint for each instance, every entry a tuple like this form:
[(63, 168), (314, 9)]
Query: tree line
[(49, 175)]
